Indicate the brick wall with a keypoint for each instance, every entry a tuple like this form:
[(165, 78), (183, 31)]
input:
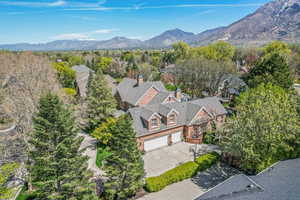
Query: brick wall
[(151, 93)]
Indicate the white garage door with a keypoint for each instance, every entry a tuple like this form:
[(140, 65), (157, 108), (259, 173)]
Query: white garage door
[(155, 143), (176, 137)]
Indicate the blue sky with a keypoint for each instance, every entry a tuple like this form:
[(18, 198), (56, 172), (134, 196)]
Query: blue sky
[(38, 21)]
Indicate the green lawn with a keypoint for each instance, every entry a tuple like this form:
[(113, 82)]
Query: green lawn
[(102, 154), (25, 195)]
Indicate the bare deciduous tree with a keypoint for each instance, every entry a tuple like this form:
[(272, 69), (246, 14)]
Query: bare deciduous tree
[(24, 77), (195, 76)]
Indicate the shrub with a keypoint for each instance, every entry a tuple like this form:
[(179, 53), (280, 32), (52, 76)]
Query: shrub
[(70, 91), (206, 161), (209, 138), (184, 171), (170, 87), (66, 75), (102, 154)]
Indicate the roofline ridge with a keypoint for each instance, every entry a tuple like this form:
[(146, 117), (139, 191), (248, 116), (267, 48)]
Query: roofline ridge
[(256, 184), (219, 185), (268, 168)]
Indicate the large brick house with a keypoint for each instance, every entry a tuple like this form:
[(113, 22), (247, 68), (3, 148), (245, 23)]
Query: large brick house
[(161, 118)]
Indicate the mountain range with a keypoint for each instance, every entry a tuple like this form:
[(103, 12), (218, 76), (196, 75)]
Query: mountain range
[(276, 20)]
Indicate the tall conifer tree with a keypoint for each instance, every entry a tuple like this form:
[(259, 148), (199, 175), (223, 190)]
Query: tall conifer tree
[(101, 103), (57, 168), (125, 167)]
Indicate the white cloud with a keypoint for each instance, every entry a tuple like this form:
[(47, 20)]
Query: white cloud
[(141, 7), (57, 3), (34, 3), (72, 36), (82, 36), (103, 31)]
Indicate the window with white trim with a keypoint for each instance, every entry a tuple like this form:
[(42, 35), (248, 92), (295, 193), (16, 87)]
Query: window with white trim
[(154, 123), (172, 119)]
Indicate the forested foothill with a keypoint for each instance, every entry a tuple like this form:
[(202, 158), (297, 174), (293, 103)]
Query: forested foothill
[(43, 111)]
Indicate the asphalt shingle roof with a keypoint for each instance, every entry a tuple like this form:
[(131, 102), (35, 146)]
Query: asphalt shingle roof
[(131, 93), (279, 182), (160, 97), (186, 113), (82, 76)]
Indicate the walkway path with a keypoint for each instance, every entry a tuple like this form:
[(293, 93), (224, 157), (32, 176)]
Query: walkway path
[(91, 151)]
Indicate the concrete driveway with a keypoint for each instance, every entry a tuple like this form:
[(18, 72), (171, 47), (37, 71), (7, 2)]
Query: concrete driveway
[(164, 159), (185, 190)]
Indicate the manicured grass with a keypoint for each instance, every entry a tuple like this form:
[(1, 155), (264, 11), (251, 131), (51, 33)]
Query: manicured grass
[(180, 173), (102, 154), (25, 195)]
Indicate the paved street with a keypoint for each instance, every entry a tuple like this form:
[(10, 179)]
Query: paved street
[(185, 190), (164, 159)]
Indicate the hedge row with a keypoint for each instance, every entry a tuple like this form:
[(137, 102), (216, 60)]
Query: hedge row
[(206, 161), (182, 172)]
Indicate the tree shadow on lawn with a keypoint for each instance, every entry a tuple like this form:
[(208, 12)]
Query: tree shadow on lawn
[(214, 175)]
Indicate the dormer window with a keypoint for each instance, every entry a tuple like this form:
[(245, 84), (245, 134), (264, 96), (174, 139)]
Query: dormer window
[(172, 119), (154, 123)]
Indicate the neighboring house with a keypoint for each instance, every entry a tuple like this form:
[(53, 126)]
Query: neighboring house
[(134, 93), (167, 74), (231, 86), (82, 78), (279, 182), (160, 125), (162, 118)]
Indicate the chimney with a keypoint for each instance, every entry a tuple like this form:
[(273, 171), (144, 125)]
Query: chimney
[(140, 80), (178, 94)]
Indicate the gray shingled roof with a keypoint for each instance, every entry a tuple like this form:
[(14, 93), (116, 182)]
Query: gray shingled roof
[(161, 97), (186, 110), (82, 76), (131, 93), (81, 69), (279, 182)]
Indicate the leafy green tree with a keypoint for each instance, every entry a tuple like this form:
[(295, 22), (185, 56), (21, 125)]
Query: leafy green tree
[(6, 171), (73, 59), (219, 51), (66, 75), (104, 133), (265, 129), (101, 103), (271, 69), (181, 50), (57, 168), (104, 63), (124, 167), (277, 47)]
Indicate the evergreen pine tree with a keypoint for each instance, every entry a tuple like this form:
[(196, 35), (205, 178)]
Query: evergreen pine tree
[(271, 69), (125, 167), (101, 103), (57, 168)]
